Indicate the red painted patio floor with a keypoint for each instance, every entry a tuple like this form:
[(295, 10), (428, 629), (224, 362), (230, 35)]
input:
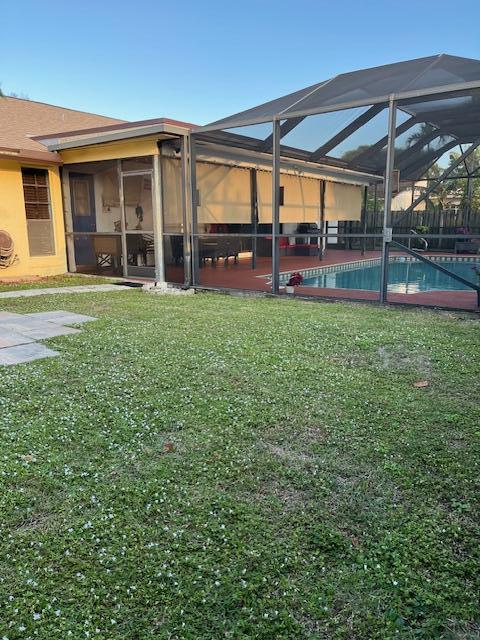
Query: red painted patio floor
[(240, 275)]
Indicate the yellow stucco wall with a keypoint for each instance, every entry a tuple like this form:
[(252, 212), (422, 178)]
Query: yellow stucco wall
[(13, 220), (12, 207), (111, 151)]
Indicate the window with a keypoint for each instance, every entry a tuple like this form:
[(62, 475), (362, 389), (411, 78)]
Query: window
[(38, 212), (81, 195)]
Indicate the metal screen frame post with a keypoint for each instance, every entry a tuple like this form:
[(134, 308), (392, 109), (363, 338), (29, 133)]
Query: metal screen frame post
[(186, 211), (322, 241), (123, 225), (194, 253), (158, 237), (275, 206), (254, 214), (469, 194), (364, 215), (387, 207)]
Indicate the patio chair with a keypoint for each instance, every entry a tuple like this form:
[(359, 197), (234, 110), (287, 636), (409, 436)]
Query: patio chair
[(207, 250), (108, 251), (228, 248), (139, 248)]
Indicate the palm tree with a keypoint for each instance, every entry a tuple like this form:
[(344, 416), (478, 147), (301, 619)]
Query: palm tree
[(424, 130)]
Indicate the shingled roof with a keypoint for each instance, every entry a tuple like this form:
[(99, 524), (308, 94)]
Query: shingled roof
[(21, 120)]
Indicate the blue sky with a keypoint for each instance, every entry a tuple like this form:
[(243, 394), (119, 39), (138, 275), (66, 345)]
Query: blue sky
[(201, 60)]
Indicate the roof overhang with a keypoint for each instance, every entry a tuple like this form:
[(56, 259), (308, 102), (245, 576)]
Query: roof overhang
[(28, 156), (115, 133)]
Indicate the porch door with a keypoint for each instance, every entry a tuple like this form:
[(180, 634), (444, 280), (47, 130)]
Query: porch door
[(138, 203), (83, 217)]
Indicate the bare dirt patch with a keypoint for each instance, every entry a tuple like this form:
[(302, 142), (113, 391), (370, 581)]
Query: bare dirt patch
[(466, 632), (399, 360), (36, 522), (290, 498), (289, 454)]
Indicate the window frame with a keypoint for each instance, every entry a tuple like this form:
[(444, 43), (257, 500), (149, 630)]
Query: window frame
[(29, 220)]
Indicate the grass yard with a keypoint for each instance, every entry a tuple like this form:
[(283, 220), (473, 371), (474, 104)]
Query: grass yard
[(218, 467), (65, 280)]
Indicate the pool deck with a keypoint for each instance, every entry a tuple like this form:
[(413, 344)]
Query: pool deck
[(240, 275)]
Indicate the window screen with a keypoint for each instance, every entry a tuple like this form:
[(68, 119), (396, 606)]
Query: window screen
[(37, 210)]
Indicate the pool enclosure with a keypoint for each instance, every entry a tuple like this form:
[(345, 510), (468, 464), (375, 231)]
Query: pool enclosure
[(402, 141), (366, 184)]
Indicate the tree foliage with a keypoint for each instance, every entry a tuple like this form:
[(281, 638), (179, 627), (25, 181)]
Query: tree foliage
[(457, 187)]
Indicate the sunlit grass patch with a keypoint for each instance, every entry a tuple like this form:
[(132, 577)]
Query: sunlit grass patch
[(65, 280), (216, 467)]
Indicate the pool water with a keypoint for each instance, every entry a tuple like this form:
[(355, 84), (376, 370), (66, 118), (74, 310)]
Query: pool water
[(403, 277)]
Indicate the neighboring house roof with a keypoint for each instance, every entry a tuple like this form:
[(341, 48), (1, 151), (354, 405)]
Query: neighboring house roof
[(23, 120)]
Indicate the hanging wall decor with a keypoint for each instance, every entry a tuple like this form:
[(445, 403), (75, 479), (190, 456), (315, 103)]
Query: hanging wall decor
[(7, 250)]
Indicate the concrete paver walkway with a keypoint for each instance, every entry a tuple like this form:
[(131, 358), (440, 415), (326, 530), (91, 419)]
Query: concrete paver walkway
[(61, 317), (18, 333), (25, 353)]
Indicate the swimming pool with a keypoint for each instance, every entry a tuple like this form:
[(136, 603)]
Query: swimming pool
[(405, 275)]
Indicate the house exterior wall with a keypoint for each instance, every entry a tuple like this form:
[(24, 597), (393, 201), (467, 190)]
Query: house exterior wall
[(12, 206), (403, 199), (13, 220)]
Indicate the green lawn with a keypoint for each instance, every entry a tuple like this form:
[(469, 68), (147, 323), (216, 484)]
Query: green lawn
[(65, 280), (218, 467)]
